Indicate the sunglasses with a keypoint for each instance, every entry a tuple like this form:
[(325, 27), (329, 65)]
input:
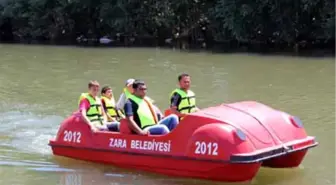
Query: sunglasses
[(142, 89)]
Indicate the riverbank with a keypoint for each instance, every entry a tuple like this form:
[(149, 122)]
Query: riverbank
[(288, 28), (301, 50)]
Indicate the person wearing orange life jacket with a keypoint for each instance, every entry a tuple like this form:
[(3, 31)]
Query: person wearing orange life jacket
[(182, 100), (91, 109), (141, 116), (108, 104)]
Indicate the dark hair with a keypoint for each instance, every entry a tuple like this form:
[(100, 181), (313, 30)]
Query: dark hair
[(182, 75), (93, 83), (104, 89), (138, 83)]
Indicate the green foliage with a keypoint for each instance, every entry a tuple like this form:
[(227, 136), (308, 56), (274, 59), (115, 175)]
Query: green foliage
[(264, 21)]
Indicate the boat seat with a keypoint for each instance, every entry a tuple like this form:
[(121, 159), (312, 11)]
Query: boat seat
[(124, 128), (167, 112)]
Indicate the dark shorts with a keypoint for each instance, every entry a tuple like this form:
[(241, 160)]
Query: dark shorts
[(114, 126)]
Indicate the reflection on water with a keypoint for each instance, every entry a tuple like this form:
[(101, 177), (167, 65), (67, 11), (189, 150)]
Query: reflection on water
[(75, 172), (101, 178)]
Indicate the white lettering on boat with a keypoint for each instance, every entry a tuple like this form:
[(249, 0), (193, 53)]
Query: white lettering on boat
[(151, 145), (71, 136), (204, 148), (117, 143)]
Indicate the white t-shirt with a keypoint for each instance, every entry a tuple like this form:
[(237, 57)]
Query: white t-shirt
[(121, 102)]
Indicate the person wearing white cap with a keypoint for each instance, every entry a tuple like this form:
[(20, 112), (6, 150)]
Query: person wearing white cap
[(127, 91)]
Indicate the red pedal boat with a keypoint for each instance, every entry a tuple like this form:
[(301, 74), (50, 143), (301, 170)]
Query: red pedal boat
[(228, 142)]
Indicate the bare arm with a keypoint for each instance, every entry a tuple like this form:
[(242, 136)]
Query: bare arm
[(104, 116), (173, 105), (107, 115), (174, 111), (86, 119), (121, 114), (83, 107), (134, 126)]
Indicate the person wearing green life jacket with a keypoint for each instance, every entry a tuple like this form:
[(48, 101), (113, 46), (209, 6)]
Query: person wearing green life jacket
[(183, 100), (141, 115), (127, 92), (108, 103), (91, 109)]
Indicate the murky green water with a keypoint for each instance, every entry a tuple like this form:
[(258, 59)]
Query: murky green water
[(40, 86)]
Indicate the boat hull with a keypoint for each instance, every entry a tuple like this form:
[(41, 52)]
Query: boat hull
[(228, 142), (290, 160), (202, 169)]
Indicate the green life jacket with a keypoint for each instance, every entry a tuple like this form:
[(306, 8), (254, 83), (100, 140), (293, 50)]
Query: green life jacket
[(146, 116), (95, 111), (188, 101)]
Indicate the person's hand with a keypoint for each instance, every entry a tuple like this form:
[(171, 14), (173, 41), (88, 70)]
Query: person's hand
[(94, 129), (113, 120), (144, 132), (183, 114)]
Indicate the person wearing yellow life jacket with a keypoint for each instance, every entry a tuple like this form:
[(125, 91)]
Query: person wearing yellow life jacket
[(183, 100), (91, 108), (108, 104), (141, 115)]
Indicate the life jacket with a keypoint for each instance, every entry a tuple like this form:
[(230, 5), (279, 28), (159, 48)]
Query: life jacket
[(110, 107), (95, 111), (146, 113), (188, 101), (127, 93)]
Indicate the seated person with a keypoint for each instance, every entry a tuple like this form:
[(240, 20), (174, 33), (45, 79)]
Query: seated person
[(91, 109), (141, 116), (127, 92), (182, 100), (108, 103)]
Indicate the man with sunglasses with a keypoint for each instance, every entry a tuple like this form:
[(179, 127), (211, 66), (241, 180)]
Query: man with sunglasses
[(91, 108), (141, 114), (127, 91)]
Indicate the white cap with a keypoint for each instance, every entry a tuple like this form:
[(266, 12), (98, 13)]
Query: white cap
[(129, 82)]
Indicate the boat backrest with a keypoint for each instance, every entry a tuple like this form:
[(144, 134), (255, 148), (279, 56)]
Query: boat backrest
[(124, 128), (167, 112)]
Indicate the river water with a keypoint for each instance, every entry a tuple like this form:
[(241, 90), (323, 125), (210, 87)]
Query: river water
[(40, 86)]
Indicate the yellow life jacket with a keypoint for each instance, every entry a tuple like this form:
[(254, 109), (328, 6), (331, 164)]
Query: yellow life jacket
[(145, 112), (188, 101), (110, 107), (95, 111)]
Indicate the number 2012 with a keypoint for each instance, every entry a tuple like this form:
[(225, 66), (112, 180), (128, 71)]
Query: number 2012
[(70, 136), (206, 148)]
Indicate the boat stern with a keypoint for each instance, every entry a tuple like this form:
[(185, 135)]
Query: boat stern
[(287, 155)]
